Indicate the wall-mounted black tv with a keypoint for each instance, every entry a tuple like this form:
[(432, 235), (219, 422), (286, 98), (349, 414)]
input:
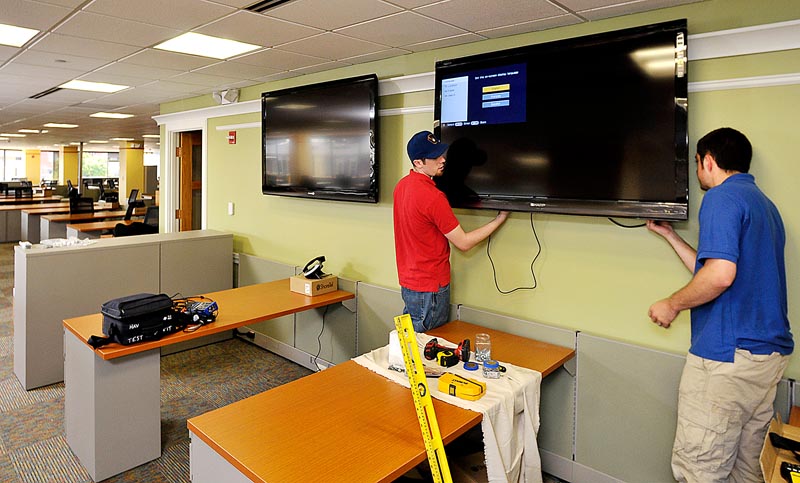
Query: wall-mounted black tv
[(320, 140), (594, 125)]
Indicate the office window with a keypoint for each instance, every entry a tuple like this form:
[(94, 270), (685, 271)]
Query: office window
[(95, 164), (13, 164), (49, 165)]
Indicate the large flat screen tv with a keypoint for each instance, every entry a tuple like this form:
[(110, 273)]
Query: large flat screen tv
[(320, 140), (594, 125)]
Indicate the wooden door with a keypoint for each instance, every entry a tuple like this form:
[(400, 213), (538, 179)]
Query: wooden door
[(190, 154)]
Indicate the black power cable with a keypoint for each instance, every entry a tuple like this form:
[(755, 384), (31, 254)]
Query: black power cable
[(625, 226), (494, 270)]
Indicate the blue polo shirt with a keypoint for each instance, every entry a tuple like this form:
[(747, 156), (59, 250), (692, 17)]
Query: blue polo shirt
[(740, 224)]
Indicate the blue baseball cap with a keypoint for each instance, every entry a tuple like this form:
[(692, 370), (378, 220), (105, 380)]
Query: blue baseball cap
[(424, 145)]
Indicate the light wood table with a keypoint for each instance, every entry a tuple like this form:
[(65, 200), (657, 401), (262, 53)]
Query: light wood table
[(57, 225), (343, 424), (30, 218), (112, 400)]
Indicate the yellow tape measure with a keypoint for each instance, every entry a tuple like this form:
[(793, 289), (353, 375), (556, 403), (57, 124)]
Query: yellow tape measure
[(422, 400)]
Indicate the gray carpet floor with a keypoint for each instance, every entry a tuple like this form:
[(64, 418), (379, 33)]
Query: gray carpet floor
[(33, 447)]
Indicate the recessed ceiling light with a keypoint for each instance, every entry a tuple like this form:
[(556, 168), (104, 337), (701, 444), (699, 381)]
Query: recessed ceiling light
[(12, 135), (15, 36), (121, 139), (154, 136), (61, 125), (111, 115), (92, 86), (97, 141), (206, 46), (29, 131), (74, 144)]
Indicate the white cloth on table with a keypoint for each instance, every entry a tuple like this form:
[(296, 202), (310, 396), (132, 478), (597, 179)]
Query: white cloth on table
[(510, 411)]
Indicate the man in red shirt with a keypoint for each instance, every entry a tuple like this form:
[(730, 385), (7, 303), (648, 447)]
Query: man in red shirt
[(424, 227)]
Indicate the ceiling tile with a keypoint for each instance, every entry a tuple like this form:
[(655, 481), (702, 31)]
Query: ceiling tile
[(101, 27), (203, 80), (321, 67), (280, 59), (142, 71), (401, 29), (332, 46), (112, 78), (6, 52), (617, 9), (330, 15), (59, 61), (236, 69), (383, 54), (257, 29), (526, 27), (413, 3), (53, 74), (64, 3), (96, 49), (168, 60), (461, 13), (273, 77), (33, 15), (447, 42), (177, 14)]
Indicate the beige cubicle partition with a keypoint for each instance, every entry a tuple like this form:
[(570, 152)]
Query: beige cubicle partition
[(53, 284)]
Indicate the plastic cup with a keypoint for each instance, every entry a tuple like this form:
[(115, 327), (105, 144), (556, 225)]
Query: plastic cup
[(483, 347)]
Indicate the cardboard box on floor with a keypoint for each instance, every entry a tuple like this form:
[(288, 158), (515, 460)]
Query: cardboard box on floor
[(312, 286), (772, 457)]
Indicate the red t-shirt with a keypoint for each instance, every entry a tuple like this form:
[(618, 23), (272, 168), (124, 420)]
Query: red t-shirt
[(422, 216)]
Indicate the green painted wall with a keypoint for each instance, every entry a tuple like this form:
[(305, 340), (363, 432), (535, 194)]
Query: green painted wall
[(592, 275)]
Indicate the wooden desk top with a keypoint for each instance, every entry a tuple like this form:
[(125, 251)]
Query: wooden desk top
[(33, 206), (237, 307), (11, 200), (97, 225), (79, 217), (62, 208), (348, 423)]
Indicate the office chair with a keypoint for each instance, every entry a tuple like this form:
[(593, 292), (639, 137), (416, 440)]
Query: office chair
[(133, 203), (149, 226)]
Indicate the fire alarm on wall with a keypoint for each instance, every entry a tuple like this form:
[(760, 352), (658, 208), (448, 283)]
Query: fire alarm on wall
[(231, 137)]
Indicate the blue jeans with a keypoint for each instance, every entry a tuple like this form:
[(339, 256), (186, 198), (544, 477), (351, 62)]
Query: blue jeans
[(428, 310)]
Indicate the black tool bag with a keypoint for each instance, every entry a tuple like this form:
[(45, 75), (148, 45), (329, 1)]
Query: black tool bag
[(137, 318)]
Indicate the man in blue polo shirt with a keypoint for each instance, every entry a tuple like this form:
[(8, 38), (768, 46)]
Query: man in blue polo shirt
[(741, 337)]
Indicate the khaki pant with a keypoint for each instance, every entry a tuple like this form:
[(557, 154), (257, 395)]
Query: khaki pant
[(723, 412)]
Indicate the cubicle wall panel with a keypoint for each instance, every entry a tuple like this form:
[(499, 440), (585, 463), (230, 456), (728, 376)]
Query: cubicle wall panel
[(329, 333), (626, 409), (65, 283), (377, 308), (254, 270), (557, 407), (196, 266)]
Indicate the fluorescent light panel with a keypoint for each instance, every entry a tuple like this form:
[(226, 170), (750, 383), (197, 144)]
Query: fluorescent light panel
[(92, 86), (111, 115), (97, 141), (61, 125), (206, 46), (15, 36), (12, 135), (154, 136), (121, 139)]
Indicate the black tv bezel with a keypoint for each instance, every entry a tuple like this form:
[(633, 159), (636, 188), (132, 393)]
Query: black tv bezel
[(371, 195), (676, 210)]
